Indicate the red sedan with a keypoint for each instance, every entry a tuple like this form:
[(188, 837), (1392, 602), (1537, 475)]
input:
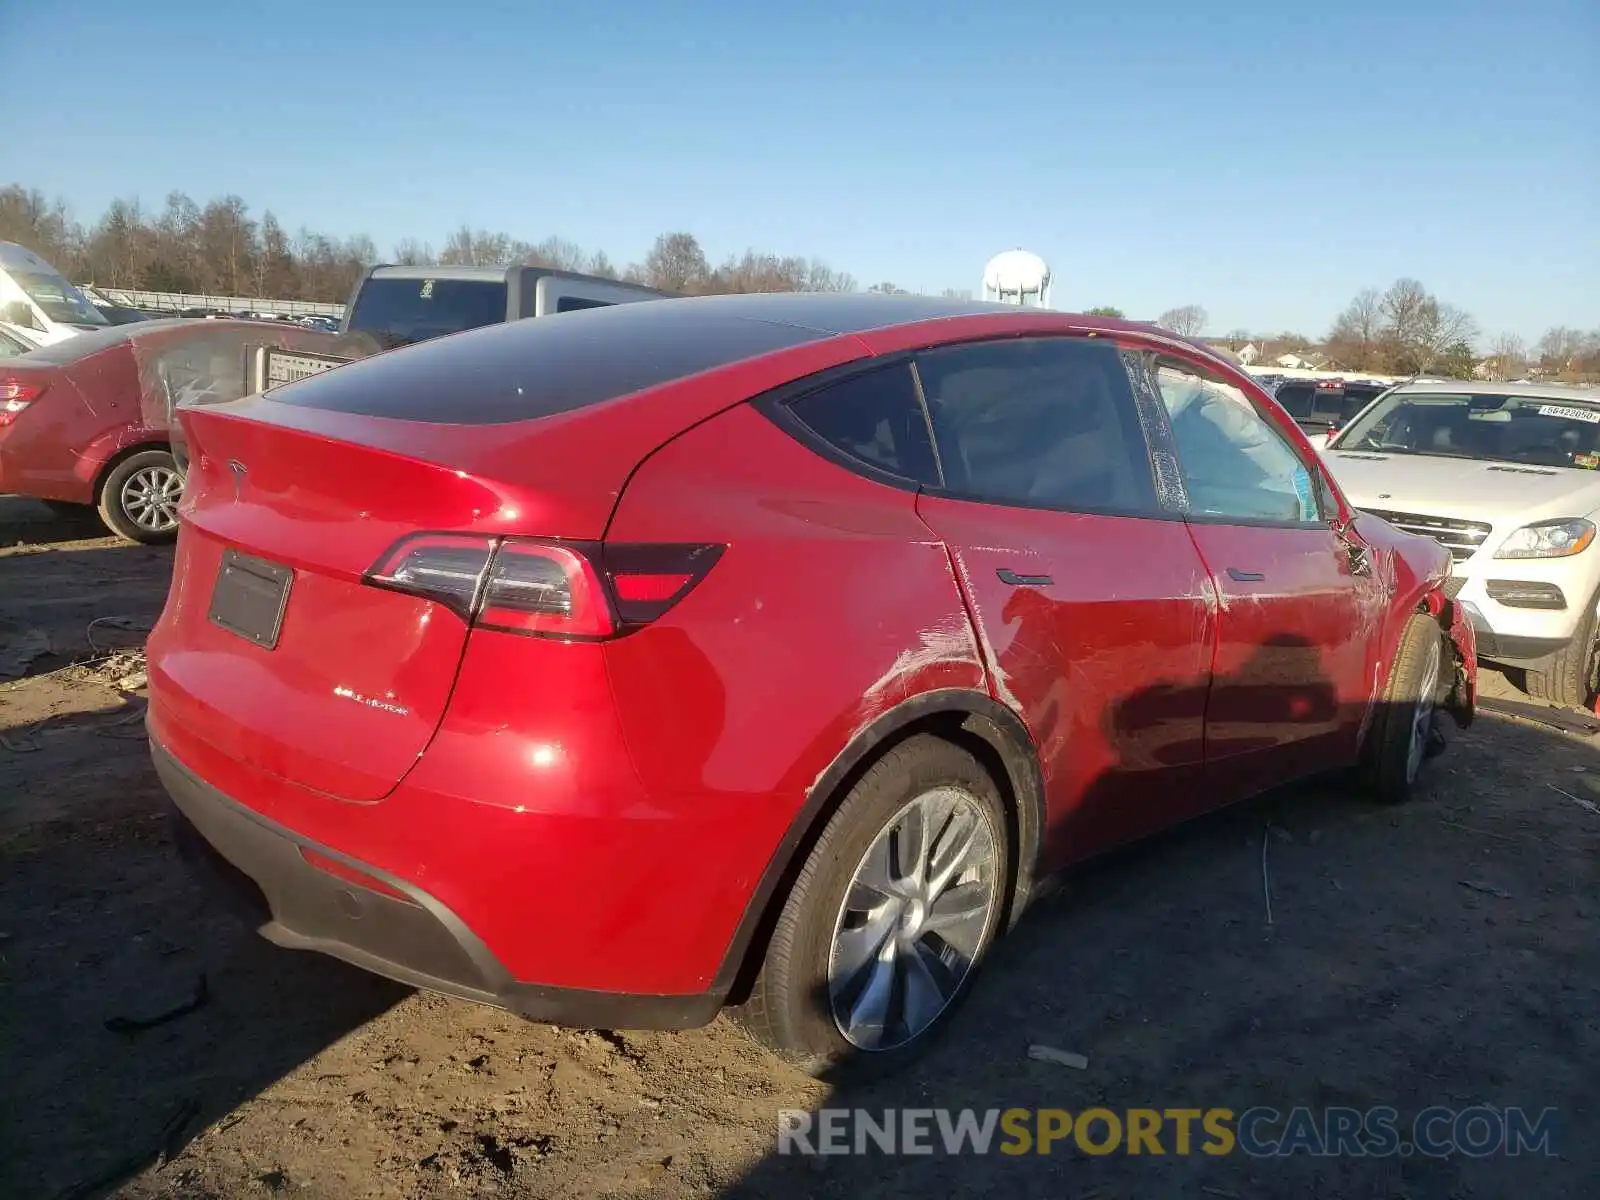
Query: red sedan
[(760, 650), (86, 421)]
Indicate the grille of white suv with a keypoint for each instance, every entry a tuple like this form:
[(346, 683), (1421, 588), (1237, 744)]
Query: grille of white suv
[(1461, 538)]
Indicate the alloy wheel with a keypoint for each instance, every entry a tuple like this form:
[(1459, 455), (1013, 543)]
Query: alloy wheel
[(150, 498), (913, 919)]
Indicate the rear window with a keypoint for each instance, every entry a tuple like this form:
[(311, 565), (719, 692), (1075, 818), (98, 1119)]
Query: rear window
[(398, 311), (521, 370), (1296, 399)]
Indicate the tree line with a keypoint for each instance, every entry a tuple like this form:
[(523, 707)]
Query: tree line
[(220, 248), (1407, 330)]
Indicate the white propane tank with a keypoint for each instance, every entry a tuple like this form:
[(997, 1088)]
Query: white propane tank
[(1017, 277)]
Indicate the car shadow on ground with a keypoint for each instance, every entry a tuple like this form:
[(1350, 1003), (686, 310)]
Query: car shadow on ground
[(1309, 948)]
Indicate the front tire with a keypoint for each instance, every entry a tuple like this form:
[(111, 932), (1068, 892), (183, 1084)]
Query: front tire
[(139, 497), (884, 929), (1402, 731), (1571, 676)]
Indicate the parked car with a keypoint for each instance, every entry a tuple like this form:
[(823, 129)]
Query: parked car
[(759, 650), (37, 301), (1507, 477), (1321, 406), (87, 421), (398, 305)]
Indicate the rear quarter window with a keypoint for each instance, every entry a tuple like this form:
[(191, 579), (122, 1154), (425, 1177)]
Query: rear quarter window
[(874, 420)]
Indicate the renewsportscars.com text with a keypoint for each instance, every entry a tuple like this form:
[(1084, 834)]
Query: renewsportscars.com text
[(1477, 1132)]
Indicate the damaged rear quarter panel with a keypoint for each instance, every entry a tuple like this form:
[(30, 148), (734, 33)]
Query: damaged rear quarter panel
[(821, 616)]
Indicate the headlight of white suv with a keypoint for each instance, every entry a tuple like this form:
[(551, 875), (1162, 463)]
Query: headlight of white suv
[(1548, 539)]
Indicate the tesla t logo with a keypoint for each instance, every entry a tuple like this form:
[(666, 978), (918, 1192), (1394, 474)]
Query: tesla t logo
[(237, 468)]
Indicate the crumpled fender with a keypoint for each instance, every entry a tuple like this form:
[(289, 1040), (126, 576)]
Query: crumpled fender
[(1420, 569)]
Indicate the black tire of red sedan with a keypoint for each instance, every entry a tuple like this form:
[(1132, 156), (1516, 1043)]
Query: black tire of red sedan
[(1402, 732), (1571, 677), (890, 916), (139, 497)]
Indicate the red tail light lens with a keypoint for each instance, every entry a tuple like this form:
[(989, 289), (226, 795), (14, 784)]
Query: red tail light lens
[(545, 589), (16, 396), (649, 578)]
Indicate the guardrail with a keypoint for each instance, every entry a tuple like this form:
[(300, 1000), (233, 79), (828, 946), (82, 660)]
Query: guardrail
[(175, 302)]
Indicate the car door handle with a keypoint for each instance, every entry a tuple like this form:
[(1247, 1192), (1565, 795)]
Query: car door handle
[(1239, 576), (1008, 576)]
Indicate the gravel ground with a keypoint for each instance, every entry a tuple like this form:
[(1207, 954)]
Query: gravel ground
[(1442, 953)]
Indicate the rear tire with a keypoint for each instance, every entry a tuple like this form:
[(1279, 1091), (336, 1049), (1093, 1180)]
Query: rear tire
[(1571, 676), (889, 919), (139, 497), (1402, 733)]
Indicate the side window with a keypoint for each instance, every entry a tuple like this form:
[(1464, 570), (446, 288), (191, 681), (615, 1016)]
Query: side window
[(574, 303), (1235, 463), (1040, 422), (875, 419)]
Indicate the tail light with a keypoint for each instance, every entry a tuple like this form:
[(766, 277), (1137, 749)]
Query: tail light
[(579, 590), (16, 396)]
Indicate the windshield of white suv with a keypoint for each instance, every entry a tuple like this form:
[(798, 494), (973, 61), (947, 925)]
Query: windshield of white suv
[(1537, 430), (58, 298)]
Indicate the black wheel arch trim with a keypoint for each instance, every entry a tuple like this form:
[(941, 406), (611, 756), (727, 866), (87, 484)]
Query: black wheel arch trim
[(980, 716)]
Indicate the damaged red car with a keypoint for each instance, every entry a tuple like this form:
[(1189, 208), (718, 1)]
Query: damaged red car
[(760, 651)]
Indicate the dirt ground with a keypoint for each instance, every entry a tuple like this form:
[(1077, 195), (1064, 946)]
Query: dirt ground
[(1441, 953)]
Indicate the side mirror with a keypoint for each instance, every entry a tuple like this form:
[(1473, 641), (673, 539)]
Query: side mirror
[(19, 312)]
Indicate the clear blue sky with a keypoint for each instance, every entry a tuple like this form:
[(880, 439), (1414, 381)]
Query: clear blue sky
[(1265, 160)]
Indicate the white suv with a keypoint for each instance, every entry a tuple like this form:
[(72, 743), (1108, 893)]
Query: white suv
[(1507, 476)]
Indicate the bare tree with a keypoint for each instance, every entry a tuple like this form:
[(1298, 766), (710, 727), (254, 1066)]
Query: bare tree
[(558, 253), (1189, 320), (1558, 347), (888, 289), (956, 294), (409, 252), (1508, 357), (1355, 341), (1419, 329), (677, 264)]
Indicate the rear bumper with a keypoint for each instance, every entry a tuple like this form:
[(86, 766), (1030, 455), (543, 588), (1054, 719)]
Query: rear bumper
[(400, 931)]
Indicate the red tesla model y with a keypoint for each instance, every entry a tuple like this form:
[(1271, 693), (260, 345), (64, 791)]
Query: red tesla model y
[(760, 650)]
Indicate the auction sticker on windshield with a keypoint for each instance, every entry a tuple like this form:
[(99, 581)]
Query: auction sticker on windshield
[(1591, 415)]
